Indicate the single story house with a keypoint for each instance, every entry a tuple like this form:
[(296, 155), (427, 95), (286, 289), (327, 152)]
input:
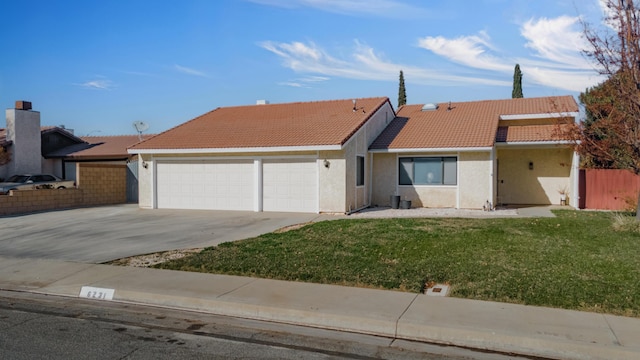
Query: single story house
[(339, 156)]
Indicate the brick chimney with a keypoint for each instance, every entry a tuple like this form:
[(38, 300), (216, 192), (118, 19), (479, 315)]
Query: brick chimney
[(23, 130)]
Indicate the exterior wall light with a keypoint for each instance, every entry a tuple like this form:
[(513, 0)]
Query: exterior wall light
[(326, 163), (530, 165)]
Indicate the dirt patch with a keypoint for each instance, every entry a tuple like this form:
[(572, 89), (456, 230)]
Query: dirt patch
[(153, 258)]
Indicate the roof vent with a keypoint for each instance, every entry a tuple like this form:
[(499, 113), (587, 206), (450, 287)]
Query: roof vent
[(429, 107), (262, 102)]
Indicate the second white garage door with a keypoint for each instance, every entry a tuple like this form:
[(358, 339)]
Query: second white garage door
[(290, 185), (206, 185)]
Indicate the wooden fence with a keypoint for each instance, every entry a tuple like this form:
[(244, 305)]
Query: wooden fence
[(605, 189)]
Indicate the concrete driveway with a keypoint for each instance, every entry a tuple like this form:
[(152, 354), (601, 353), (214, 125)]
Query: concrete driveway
[(96, 235)]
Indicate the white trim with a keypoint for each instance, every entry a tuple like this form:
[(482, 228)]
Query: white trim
[(539, 116), (533, 143), (575, 197), (430, 150), (236, 150), (259, 188), (154, 183), (458, 187), (210, 158), (492, 179)]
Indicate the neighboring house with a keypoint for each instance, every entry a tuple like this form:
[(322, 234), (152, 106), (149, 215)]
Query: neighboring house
[(101, 150), (55, 150), (343, 155)]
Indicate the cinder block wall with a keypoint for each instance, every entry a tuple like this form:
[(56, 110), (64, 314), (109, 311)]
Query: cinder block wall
[(97, 185), (102, 184), (20, 202)]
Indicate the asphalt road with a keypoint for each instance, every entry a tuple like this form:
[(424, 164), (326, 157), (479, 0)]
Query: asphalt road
[(100, 234), (36, 326)]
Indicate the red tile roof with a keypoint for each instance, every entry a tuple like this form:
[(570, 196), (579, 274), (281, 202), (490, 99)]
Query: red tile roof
[(98, 148), (316, 123), (108, 146), (464, 124), (532, 133)]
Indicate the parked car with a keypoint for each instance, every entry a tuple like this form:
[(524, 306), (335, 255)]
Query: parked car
[(33, 182)]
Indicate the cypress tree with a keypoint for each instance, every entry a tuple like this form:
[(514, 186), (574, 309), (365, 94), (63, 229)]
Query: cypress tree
[(402, 93), (517, 83)]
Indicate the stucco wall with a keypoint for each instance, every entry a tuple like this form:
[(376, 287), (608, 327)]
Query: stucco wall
[(474, 179), (517, 184), (358, 197), (332, 185), (23, 128), (145, 181), (385, 177)]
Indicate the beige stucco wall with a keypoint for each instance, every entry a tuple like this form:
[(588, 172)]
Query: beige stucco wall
[(385, 175), (332, 188), (475, 179), (429, 196), (517, 184), (145, 181)]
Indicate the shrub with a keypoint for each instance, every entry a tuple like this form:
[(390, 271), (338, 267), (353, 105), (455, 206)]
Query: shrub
[(625, 222)]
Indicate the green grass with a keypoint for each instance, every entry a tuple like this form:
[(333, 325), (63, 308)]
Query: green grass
[(575, 261)]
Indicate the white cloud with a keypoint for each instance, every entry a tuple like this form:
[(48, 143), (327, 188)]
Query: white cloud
[(381, 8), (190, 71), (470, 51), (304, 82), (556, 58), (97, 84), (363, 64), (556, 40)]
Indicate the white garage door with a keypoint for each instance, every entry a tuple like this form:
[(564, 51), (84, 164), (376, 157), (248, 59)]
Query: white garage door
[(290, 185), (207, 185)]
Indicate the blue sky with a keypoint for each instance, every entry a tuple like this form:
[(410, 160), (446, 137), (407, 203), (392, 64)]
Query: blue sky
[(98, 66)]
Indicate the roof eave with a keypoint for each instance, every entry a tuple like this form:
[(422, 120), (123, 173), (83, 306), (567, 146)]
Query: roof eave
[(432, 150), (237, 150), (534, 143), (551, 115)]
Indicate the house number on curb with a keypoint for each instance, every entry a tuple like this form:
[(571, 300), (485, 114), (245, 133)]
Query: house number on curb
[(91, 292)]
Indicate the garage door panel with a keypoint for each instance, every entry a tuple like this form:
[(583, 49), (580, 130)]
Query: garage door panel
[(290, 185), (212, 185)]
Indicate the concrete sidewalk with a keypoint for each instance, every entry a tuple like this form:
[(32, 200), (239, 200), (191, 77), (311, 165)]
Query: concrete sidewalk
[(508, 328)]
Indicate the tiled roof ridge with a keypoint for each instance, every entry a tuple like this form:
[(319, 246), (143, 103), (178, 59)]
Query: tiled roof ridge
[(303, 102), (494, 100), (370, 114), (92, 136)]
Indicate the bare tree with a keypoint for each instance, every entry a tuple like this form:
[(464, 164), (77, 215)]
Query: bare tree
[(4, 156), (612, 132)]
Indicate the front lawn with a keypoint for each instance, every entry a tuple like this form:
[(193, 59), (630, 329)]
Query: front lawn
[(575, 261)]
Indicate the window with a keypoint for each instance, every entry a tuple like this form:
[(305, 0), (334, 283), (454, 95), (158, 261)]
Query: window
[(428, 171), (360, 171)]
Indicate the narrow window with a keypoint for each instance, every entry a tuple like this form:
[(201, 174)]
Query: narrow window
[(360, 171)]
